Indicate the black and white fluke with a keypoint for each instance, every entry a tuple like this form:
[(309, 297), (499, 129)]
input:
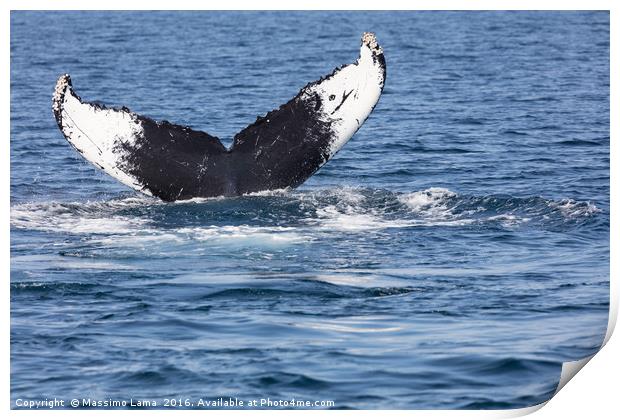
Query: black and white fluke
[(280, 150)]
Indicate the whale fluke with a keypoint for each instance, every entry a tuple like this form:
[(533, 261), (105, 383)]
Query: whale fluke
[(280, 150)]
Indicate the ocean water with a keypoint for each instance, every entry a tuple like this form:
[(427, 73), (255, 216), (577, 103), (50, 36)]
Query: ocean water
[(452, 255)]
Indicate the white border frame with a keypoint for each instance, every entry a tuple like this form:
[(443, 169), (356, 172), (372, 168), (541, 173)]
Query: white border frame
[(593, 394)]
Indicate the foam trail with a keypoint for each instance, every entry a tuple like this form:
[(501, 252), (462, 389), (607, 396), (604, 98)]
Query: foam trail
[(302, 215)]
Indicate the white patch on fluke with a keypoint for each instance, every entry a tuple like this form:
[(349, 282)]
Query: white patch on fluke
[(99, 134), (352, 92)]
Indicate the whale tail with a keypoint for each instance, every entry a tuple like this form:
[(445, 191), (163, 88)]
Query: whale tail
[(280, 150)]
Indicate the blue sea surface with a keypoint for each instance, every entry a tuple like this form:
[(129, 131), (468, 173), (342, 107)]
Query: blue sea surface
[(452, 255)]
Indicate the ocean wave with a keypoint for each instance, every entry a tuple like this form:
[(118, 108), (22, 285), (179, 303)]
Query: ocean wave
[(78, 218), (432, 203), (574, 209), (285, 216)]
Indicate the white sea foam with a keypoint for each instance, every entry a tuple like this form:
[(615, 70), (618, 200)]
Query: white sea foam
[(509, 220), (269, 193), (343, 209), (352, 212), (350, 195), (111, 229), (430, 203), (199, 200), (246, 234), (354, 219), (571, 208), (56, 217), (229, 236)]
